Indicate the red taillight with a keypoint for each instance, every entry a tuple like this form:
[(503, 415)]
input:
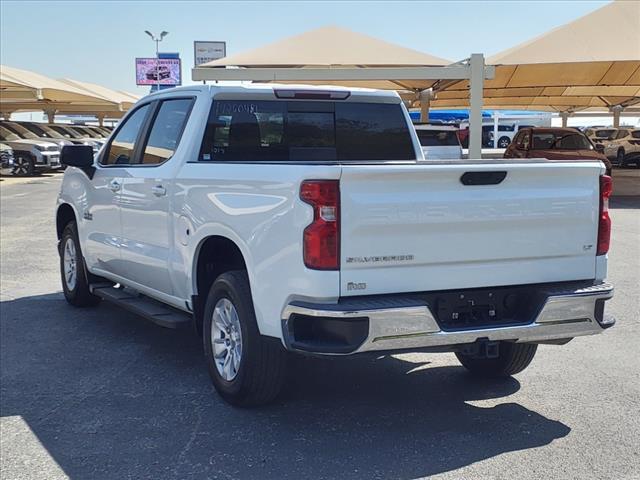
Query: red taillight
[(321, 239), (604, 223)]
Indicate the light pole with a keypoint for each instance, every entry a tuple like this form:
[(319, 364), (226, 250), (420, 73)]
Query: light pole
[(157, 40)]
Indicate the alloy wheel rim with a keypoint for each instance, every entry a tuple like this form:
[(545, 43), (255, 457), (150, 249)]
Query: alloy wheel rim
[(226, 339), (21, 166), (69, 264)]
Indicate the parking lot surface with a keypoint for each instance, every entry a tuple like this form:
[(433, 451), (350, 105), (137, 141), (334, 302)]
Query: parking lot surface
[(99, 393)]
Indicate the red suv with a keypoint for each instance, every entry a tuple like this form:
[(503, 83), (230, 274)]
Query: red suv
[(555, 144)]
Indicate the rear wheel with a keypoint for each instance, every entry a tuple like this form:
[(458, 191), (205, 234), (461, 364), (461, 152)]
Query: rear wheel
[(504, 142), (512, 358), (24, 165), (75, 284), (246, 368)]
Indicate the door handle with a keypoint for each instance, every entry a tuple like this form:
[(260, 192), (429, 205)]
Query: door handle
[(114, 186), (159, 190)]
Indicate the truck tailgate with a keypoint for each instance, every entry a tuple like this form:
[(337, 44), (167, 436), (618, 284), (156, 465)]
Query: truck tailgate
[(410, 228)]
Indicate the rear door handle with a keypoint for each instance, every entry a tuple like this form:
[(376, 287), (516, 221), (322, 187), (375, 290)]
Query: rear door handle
[(114, 186), (159, 190)]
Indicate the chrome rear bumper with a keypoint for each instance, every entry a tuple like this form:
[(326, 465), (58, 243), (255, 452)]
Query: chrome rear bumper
[(406, 322)]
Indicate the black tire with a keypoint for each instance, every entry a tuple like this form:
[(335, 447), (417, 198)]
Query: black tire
[(262, 369), (78, 293), (512, 359), (24, 166), (503, 142)]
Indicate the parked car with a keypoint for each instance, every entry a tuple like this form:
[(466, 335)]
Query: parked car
[(506, 132), (280, 219), (25, 133), (31, 156), (555, 143), (600, 135), (43, 130), (624, 147), (71, 134), (160, 73), (6, 159), (439, 141)]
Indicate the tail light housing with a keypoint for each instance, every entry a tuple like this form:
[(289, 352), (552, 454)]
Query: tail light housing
[(321, 239), (604, 222)]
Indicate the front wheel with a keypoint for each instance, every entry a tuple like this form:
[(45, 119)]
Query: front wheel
[(24, 166), (75, 284), (246, 368), (503, 142), (512, 358)]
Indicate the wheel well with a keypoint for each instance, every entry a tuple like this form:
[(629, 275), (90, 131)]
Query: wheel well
[(63, 217), (216, 256)]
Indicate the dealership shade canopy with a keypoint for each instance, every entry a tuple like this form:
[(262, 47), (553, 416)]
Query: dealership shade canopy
[(336, 48), (22, 90), (125, 99), (592, 62)]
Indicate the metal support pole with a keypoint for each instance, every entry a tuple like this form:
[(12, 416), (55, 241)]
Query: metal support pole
[(100, 119), (617, 110), (476, 86), (425, 103), (157, 65), (496, 121), (565, 118), (51, 115)]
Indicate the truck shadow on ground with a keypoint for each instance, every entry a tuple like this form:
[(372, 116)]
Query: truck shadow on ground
[(111, 396)]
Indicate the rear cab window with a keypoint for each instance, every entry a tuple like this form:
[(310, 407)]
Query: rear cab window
[(438, 138), (302, 130)]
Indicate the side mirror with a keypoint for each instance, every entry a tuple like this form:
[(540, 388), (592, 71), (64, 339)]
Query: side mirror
[(599, 147), (79, 156)]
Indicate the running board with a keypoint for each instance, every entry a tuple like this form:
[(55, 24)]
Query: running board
[(146, 307)]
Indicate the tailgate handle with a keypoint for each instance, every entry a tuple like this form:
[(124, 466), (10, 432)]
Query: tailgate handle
[(483, 178)]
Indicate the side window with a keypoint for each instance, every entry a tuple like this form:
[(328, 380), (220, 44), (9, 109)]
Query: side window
[(123, 144), (166, 130), (622, 134), (517, 140)]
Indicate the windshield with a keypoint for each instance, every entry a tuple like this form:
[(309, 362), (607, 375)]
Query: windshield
[(64, 131), (79, 130), (437, 138), (245, 130), (7, 135), (560, 141), (604, 133), (20, 131), (43, 131)]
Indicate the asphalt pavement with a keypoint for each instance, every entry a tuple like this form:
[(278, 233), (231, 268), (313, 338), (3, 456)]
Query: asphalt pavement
[(99, 393)]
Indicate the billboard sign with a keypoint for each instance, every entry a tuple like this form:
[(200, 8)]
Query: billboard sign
[(204, 52), (163, 71)]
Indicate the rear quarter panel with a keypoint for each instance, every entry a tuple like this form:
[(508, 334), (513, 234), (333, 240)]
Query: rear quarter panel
[(257, 206)]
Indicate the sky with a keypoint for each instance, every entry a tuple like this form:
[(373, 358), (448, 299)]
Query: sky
[(97, 41)]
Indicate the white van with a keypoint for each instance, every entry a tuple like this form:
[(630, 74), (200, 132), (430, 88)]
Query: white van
[(439, 142)]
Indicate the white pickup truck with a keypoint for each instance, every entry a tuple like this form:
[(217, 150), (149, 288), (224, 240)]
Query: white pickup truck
[(279, 219)]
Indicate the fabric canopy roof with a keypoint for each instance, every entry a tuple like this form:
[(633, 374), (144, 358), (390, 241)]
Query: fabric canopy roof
[(593, 61), (23, 90), (126, 100), (336, 47)]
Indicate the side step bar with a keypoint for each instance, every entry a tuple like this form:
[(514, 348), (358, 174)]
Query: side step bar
[(146, 307)]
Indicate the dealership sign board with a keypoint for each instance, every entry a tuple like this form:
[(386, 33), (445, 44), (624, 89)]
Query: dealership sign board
[(204, 52), (154, 71)]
